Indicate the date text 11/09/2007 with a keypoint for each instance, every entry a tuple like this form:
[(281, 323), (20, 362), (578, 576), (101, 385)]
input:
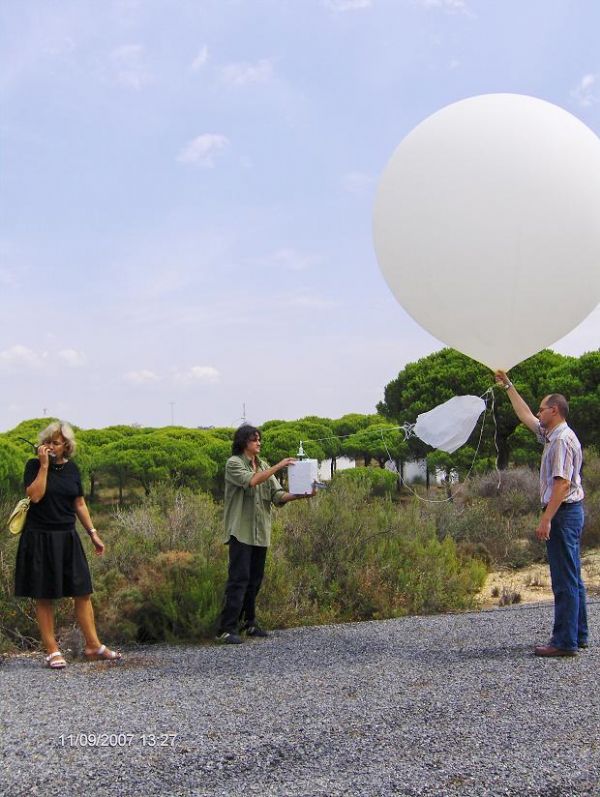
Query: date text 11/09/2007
[(117, 739)]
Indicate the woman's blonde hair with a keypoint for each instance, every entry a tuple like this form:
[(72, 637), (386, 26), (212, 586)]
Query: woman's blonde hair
[(65, 430)]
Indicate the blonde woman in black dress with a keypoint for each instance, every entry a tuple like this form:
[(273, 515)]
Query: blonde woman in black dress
[(51, 562)]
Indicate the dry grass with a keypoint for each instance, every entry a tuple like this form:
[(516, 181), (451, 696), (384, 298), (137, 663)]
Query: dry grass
[(533, 583)]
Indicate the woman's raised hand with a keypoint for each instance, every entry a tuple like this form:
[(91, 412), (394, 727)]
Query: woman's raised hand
[(285, 462), (43, 454)]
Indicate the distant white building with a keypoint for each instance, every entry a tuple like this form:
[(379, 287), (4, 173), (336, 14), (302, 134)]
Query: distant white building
[(414, 470), (342, 463)]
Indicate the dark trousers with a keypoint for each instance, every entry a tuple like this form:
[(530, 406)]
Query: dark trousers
[(245, 575)]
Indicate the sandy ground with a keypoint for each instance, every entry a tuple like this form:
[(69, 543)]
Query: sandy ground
[(532, 584)]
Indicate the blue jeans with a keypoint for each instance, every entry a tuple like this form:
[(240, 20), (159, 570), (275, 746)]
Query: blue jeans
[(570, 613)]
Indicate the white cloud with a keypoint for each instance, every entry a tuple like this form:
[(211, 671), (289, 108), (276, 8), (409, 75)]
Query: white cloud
[(200, 60), (201, 150), (129, 67), (204, 374), (142, 377), (586, 92), (450, 6), (241, 74), (72, 357), (357, 182), (20, 355), (347, 5)]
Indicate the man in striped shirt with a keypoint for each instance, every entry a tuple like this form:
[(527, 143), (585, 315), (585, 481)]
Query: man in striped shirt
[(561, 523)]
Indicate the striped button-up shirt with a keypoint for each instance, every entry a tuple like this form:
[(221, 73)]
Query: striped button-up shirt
[(562, 458)]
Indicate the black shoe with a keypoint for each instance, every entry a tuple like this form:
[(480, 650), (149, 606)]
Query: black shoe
[(582, 645), (255, 630), (228, 638)]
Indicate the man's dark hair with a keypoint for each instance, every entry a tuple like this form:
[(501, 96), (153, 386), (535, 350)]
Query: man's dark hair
[(559, 401), (242, 437)]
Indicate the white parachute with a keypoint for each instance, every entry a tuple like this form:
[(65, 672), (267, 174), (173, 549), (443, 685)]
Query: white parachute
[(449, 425)]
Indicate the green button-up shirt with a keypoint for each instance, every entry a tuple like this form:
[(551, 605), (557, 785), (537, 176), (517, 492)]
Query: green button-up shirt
[(248, 509)]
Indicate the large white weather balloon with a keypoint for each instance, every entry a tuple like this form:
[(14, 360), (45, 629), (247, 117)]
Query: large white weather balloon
[(487, 225)]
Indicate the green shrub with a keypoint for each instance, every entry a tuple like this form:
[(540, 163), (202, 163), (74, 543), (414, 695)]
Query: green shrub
[(166, 520), (501, 539), (17, 616), (591, 471), (591, 529), (515, 491), (347, 556), (428, 575), (379, 481), (163, 573), (176, 596)]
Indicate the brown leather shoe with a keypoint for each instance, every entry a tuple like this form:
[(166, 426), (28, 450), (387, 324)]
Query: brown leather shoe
[(550, 650)]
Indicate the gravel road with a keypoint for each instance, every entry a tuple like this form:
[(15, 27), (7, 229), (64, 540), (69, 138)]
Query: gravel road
[(448, 705)]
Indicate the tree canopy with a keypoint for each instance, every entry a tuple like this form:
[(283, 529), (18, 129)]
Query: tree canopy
[(129, 455)]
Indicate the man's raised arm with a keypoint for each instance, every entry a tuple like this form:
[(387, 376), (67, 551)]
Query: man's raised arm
[(522, 411)]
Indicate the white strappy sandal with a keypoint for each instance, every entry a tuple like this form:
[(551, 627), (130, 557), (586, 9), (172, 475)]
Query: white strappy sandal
[(103, 654), (56, 661)]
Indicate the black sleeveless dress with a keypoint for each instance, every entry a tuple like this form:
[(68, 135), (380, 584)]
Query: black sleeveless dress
[(51, 562)]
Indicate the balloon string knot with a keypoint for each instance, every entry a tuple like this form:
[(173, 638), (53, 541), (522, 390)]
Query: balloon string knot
[(408, 429)]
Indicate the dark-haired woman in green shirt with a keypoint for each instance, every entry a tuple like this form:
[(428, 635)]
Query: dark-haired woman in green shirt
[(251, 489)]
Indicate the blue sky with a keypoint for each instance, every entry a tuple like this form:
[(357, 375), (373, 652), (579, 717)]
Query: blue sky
[(186, 193)]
